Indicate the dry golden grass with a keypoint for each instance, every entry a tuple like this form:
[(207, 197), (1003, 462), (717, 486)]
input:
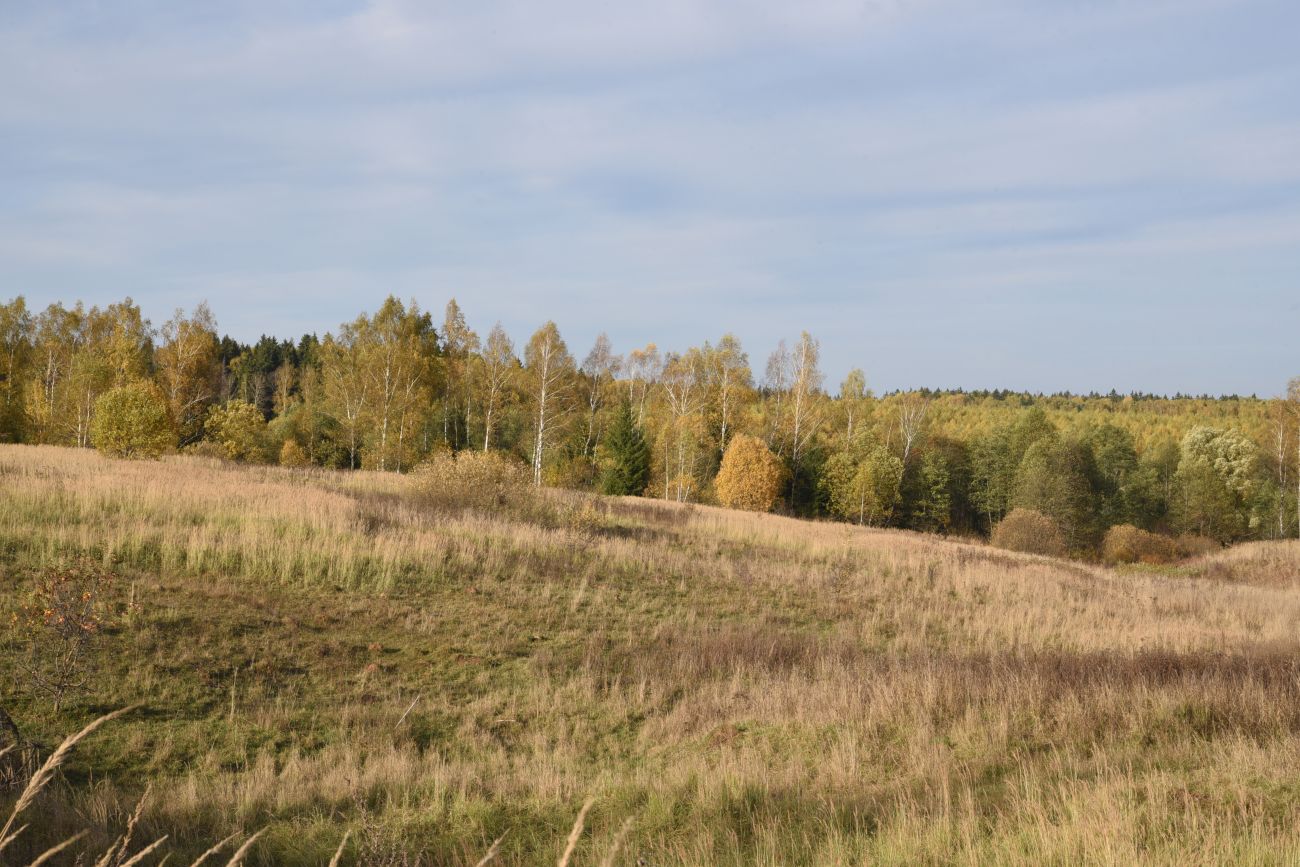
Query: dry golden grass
[(319, 653)]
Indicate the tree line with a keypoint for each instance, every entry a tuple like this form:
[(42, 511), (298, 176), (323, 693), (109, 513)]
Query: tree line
[(391, 388)]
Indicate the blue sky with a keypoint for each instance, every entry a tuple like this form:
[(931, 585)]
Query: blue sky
[(1047, 194)]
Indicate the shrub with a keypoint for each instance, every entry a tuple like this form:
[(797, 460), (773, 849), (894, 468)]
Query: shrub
[(1125, 543), (68, 608), (131, 421), (292, 455), (472, 480), (1029, 531), (750, 477)]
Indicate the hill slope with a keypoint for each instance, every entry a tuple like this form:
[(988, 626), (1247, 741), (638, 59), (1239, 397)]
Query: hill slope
[(317, 651)]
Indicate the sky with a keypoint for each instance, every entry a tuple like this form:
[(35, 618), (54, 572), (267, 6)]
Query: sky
[(1031, 194)]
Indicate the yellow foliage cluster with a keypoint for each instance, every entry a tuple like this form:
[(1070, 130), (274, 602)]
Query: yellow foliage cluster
[(292, 455), (750, 477)]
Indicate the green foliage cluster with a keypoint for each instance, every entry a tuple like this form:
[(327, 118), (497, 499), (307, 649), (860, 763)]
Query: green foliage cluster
[(863, 483), (238, 430), (131, 421), (627, 469)]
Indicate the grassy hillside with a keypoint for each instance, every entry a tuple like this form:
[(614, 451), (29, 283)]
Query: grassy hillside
[(318, 651)]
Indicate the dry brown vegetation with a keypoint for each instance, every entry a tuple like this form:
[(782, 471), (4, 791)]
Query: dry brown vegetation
[(1029, 532), (1125, 543), (319, 652)]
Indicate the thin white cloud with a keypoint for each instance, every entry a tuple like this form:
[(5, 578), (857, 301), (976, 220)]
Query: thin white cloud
[(668, 169)]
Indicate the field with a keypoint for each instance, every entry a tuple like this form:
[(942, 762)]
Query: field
[(320, 652)]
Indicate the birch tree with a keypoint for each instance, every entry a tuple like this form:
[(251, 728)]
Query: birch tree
[(549, 368), (343, 386), (124, 340), (1281, 422), (729, 378), (644, 368), (189, 369), (397, 352), (286, 388), (805, 409), (776, 381), (459, 344), (496, 367), (1293, 397), (599, 367), (57, 335), (683, 380), (80, 354), (911, 410), (853, 399)]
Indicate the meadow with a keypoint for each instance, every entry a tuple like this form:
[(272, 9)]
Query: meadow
[(317, 652)]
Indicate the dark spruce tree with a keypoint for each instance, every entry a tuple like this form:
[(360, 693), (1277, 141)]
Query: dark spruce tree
[(629, 456)]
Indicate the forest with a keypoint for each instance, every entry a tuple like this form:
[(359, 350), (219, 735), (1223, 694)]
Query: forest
[(1128, 477)]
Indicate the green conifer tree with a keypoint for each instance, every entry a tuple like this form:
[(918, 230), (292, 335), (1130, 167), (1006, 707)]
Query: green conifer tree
[(628, 469)]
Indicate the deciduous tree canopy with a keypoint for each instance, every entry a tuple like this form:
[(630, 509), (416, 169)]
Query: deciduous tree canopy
[(131, 421)]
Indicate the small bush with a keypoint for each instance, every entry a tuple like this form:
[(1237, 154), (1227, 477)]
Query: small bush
[(472, 480), (1029, 531), (68, 608), (1125, 543)]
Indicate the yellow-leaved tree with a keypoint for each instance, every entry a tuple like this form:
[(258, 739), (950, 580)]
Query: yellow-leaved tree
[(750, 477), (131, 421), (189, 369), (239, 430)]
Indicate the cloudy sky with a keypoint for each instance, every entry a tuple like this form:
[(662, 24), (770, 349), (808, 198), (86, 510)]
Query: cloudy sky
[(1040, 194)]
